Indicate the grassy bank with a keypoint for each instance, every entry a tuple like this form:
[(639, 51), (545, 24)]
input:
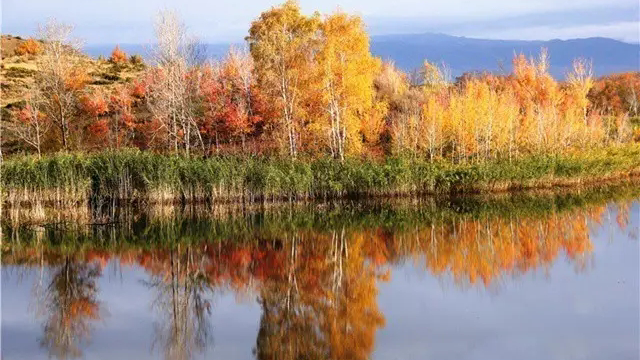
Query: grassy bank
[(132, 175)]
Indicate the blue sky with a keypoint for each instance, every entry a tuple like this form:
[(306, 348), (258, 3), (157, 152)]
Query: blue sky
[(129, 21)]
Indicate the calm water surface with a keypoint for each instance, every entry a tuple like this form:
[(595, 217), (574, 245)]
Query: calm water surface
[(446, 282)]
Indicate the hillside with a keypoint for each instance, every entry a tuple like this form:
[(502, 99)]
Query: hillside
[(17, 72)]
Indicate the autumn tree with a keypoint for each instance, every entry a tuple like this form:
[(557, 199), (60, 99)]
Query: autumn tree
[(282, 42), (242, 93), (617, 94), (30, 124), (347, 72), (121, 120), (391, 89), (580, 82), (29, 47), (112, 120), (95, 106), (232, 105), (211, 123), (118, 56), (170, 93), (60, 76)]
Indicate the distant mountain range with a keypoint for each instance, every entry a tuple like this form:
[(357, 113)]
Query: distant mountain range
[(462, 54)]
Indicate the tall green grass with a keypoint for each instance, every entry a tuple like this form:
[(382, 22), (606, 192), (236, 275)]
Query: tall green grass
[(133, 175)]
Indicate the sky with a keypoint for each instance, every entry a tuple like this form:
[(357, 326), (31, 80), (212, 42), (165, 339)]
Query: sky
[(130, 21)]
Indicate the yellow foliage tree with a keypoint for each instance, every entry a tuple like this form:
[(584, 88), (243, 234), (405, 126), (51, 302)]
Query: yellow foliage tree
[(282, 42), (347, 71)]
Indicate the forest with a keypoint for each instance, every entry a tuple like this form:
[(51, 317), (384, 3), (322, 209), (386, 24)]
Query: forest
[(304, 111)]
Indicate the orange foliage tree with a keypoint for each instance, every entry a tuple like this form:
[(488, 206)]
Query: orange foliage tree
[(617, 94), (29, 47), (118, 56)]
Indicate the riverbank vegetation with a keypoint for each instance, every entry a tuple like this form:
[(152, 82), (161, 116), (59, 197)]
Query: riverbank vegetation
[(305, 112), (134, 176)]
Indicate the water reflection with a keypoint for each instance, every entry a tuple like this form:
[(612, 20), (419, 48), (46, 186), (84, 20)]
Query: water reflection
[(179, 285), (315, 273), (69, 306)]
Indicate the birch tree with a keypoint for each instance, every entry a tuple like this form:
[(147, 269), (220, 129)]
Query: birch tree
[(282, 44), (347, 72), (170, 98), (60, 76), (30, 124)]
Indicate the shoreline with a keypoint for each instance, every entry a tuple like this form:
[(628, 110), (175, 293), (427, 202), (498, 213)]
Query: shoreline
[(532, 187), (402, 212)]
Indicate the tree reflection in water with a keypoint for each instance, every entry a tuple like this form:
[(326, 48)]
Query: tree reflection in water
[(183, 328), (70, 307), (317, 285), (323, 302)]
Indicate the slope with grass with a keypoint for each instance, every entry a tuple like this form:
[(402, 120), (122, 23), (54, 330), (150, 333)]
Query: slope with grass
[(18, 71)]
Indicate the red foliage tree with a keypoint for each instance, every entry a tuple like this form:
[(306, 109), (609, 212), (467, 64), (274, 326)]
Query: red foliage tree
[(122, 120), (617, 94), (234, 108), (95, 107)]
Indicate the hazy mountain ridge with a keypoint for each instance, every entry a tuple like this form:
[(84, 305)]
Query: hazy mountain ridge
[(467, 54), (462, 54)]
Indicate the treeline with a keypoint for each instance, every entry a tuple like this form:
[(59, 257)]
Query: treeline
[(309, 86)]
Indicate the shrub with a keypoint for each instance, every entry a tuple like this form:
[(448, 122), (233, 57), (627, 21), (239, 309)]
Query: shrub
[(29, 47), (136, 60), (110, 77), (118, 56)]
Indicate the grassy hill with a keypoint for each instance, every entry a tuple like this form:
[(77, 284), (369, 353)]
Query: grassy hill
[(17, 71)]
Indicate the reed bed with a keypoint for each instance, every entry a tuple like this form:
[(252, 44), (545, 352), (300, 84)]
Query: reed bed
[(169, 225), (127, 176)]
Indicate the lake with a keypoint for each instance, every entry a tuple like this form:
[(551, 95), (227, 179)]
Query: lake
[(544, 276)]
